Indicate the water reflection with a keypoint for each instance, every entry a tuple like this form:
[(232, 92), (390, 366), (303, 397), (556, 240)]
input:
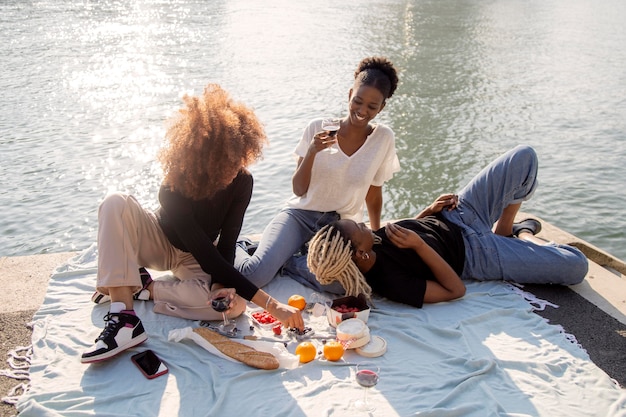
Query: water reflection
[(88, 86)]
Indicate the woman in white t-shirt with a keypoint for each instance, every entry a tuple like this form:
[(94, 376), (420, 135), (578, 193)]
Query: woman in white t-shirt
[(328, 186)]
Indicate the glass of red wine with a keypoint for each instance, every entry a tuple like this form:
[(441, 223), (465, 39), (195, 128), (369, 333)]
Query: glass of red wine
[(331, 126), (221, 303), (367, 374)]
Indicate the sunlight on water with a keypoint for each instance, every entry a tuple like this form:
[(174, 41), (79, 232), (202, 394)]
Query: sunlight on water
[(87, 88)]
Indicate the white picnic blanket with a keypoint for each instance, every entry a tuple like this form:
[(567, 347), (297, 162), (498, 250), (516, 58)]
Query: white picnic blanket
[(487, 354)]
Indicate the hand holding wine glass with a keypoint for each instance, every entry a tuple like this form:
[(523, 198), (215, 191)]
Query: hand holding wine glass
[(221, 301), (367, 375), (331, 126)]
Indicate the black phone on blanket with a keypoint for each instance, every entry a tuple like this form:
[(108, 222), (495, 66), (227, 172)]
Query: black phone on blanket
[(149, 364)]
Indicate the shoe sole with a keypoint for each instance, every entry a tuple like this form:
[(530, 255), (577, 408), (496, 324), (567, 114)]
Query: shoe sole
[(108, 355)]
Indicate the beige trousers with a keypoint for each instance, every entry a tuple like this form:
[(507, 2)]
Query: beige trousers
[(129, 237)]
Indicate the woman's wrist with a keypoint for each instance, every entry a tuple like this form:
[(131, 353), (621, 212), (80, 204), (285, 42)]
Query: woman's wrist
[(311, 152), (264, 300), (428, 211), (272, 305)]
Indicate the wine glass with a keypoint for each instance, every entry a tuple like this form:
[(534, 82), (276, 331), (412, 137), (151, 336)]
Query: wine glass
[(317, 304), (367, 377), (220, 303), (331, 126)]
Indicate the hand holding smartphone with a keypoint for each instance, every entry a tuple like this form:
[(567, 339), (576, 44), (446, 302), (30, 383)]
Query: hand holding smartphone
[(149, 364)]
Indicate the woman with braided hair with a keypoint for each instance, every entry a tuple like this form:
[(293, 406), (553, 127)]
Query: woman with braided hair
[(203, 198), (330, 256), (426, 259), (328, 186)]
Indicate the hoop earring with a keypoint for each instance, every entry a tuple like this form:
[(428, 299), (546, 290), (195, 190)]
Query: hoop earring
[(365, 256)]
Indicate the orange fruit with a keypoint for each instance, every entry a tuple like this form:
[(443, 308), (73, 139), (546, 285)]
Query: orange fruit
[(333, 350), (306, 352), (297, 301)]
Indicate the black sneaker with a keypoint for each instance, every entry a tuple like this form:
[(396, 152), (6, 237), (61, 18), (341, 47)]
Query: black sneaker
[(143, 294), (122, 331), (529, 225), (248, 245)]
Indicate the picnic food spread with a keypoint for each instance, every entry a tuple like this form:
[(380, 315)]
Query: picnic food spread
[(347, 317)]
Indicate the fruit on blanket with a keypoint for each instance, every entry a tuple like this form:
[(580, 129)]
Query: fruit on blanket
[(263, 317), (333, 350), (277, 329), (297, 301), (345, 309), (306, 352)]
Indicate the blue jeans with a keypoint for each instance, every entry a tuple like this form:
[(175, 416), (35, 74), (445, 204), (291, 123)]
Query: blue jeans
[(510, 179), (282, 238), (298, 270)]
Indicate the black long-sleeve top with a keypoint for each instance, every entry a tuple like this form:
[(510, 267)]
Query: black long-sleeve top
[(194, 225)]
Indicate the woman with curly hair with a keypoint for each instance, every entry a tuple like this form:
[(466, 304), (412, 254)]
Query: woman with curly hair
[(328, 186), (426, 259), (204, 195)]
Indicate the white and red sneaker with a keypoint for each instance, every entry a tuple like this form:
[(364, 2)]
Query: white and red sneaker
[(121, 331)]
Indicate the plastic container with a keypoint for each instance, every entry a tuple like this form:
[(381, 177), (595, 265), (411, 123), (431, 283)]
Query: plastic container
[(335, 317), (255, 320)]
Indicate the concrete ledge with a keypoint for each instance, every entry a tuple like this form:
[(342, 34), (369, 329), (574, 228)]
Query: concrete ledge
[(24, 280)]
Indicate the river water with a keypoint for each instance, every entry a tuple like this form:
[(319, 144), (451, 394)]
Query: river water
[(87, 85)]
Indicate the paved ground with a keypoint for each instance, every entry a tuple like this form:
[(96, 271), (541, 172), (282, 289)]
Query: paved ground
[(23, 280), (594, 311), (14, 333)]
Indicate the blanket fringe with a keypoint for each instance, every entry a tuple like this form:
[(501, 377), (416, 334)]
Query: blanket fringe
[(537, 303), (19, 363), (570, 338)]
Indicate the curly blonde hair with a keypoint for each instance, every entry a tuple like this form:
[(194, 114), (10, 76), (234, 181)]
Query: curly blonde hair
[(330, 259), (209, 141)]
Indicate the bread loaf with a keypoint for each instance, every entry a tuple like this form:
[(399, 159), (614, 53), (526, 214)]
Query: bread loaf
[(238, 351)]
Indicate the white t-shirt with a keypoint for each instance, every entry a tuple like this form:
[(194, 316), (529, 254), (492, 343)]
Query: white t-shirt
[(340, 182)]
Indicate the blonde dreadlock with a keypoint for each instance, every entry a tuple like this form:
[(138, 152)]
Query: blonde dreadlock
[(330, 259)]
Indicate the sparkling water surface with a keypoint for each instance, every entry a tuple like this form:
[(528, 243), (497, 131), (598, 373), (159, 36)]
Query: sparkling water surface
[(87, 86)]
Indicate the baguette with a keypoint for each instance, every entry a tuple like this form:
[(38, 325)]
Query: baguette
[(238, 351)]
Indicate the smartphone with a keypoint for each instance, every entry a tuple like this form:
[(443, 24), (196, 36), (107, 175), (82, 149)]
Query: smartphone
[(149, 364)]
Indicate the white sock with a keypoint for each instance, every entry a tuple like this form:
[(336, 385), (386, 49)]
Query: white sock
[(117, 306)]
